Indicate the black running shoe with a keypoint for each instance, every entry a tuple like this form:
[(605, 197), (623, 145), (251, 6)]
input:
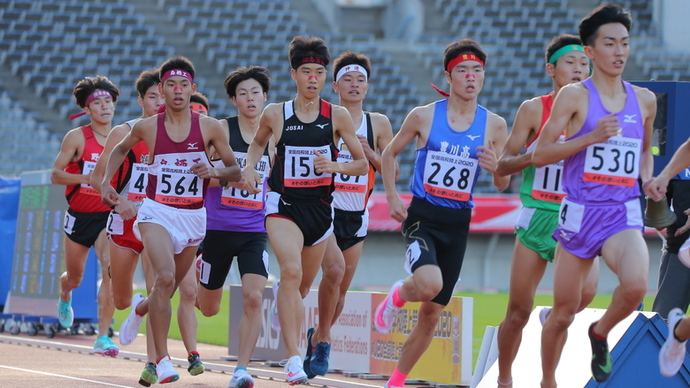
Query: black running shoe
[(196, 367), (307, 359), (601, 359), (148, 375)]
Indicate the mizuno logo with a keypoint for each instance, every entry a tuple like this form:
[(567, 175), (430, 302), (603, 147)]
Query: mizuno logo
[(473, 137), (146, 218), (192, 146), (630, 119), (322, 126)]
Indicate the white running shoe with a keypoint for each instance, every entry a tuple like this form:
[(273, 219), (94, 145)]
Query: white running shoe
[(673, 352), (543, 314), (130, 326), (241, 379), (275, 321), (166, 372), (294, 373), (384, 318)]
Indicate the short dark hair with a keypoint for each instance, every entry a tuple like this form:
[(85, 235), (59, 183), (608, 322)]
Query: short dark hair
[(351, 58), (88, 85), (603, 14), (558, 42), (178, 63), (303, 47), (199, 98), (146, 79), (460, 47), (258, 73)]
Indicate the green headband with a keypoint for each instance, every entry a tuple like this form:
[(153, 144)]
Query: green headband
[(565, 49)]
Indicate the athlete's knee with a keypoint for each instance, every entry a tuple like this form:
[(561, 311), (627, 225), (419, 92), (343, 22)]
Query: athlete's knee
[(517, 315), (209, 309), (561, 318), (122, 302), (333, 273), (252, 301), (634, 291), (427, 289), (188, 292), (165, 281), (74, 278), (290, 273)]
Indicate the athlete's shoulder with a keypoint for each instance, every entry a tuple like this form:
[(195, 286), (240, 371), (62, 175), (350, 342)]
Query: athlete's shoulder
[(493, 120), (379, 120), (644, 95)]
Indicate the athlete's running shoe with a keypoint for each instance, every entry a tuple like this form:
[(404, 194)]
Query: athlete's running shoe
[(294, 374), (196, 367), (166, 372), (131, 325), (673, 352), (241, 379), (105, 346), (543, 314), (275, 321), (384, 318), (307, 358), (601, 359), (65, 313), (319, 360), (149, 375), (388, 385)]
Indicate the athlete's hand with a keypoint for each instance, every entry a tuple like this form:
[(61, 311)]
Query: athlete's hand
[(238, 185), (488, 160), (606, 128), (108, 195), (204, 171), (397, 208), (686, 226), (252, 180), (126, 209), (368, 152), (655, 188), (322, 164)]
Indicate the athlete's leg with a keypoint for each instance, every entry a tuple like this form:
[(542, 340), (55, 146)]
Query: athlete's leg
[(287, 241), (250, 324), (351, 256), (421, 336), (186, 314), (106, 307), (333, 267), (526, 271), (570, 274), (123, 265), (626, 254), (75, 262), (423, 285), (209, 301)]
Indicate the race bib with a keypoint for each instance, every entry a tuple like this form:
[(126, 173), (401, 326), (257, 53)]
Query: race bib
[(449, 176), (232, 196), (547, 183), (613, 162), (176, 184), (299, 167), (138, 182), (87, 168), (350, 183)]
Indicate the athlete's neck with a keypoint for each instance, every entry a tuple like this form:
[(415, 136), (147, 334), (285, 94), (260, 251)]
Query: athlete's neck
[(461, 106), (179, 117), (355, 109), (101, 129), (248, 123), (608, 86), (303, 104)]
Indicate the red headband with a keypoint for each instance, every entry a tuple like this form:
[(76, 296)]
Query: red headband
[(462, 58), (178, 73), (311, 59), (195, 107), (98, 93)]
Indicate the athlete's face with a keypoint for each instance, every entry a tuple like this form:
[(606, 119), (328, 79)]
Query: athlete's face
[(151, 101), (466, 79), (249, 98), (610, 50), (571, 67), (177, 90), (101, 110), (310, 79), (352, 87)]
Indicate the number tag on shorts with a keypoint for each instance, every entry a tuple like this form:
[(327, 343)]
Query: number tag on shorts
[(115, 224), (68, 224), (412, 254), (570, 216)]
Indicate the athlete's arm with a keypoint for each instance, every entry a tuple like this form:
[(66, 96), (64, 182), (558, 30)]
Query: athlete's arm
[(126, 209), (345, 129), (214, 137), (70, 151), (271, 118), (109, 196), (524, 129), (383, 134), (419, 117), (488, 158), (214, 155), (648, 102), (570, 101)]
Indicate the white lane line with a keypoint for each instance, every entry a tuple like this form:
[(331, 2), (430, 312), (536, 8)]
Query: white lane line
[(64, 377)]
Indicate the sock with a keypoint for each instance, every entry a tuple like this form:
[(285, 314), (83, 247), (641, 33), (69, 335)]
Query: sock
[(674, 331), (397, 301), (397, 378), (240, 368), (595, 335), (193, 352)]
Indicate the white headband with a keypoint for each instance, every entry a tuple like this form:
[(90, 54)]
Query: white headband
[(349, 68)]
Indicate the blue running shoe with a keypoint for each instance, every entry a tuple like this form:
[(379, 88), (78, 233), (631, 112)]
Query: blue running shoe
[(65, 314), (307, 359), (105, 346), (319, 360)]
